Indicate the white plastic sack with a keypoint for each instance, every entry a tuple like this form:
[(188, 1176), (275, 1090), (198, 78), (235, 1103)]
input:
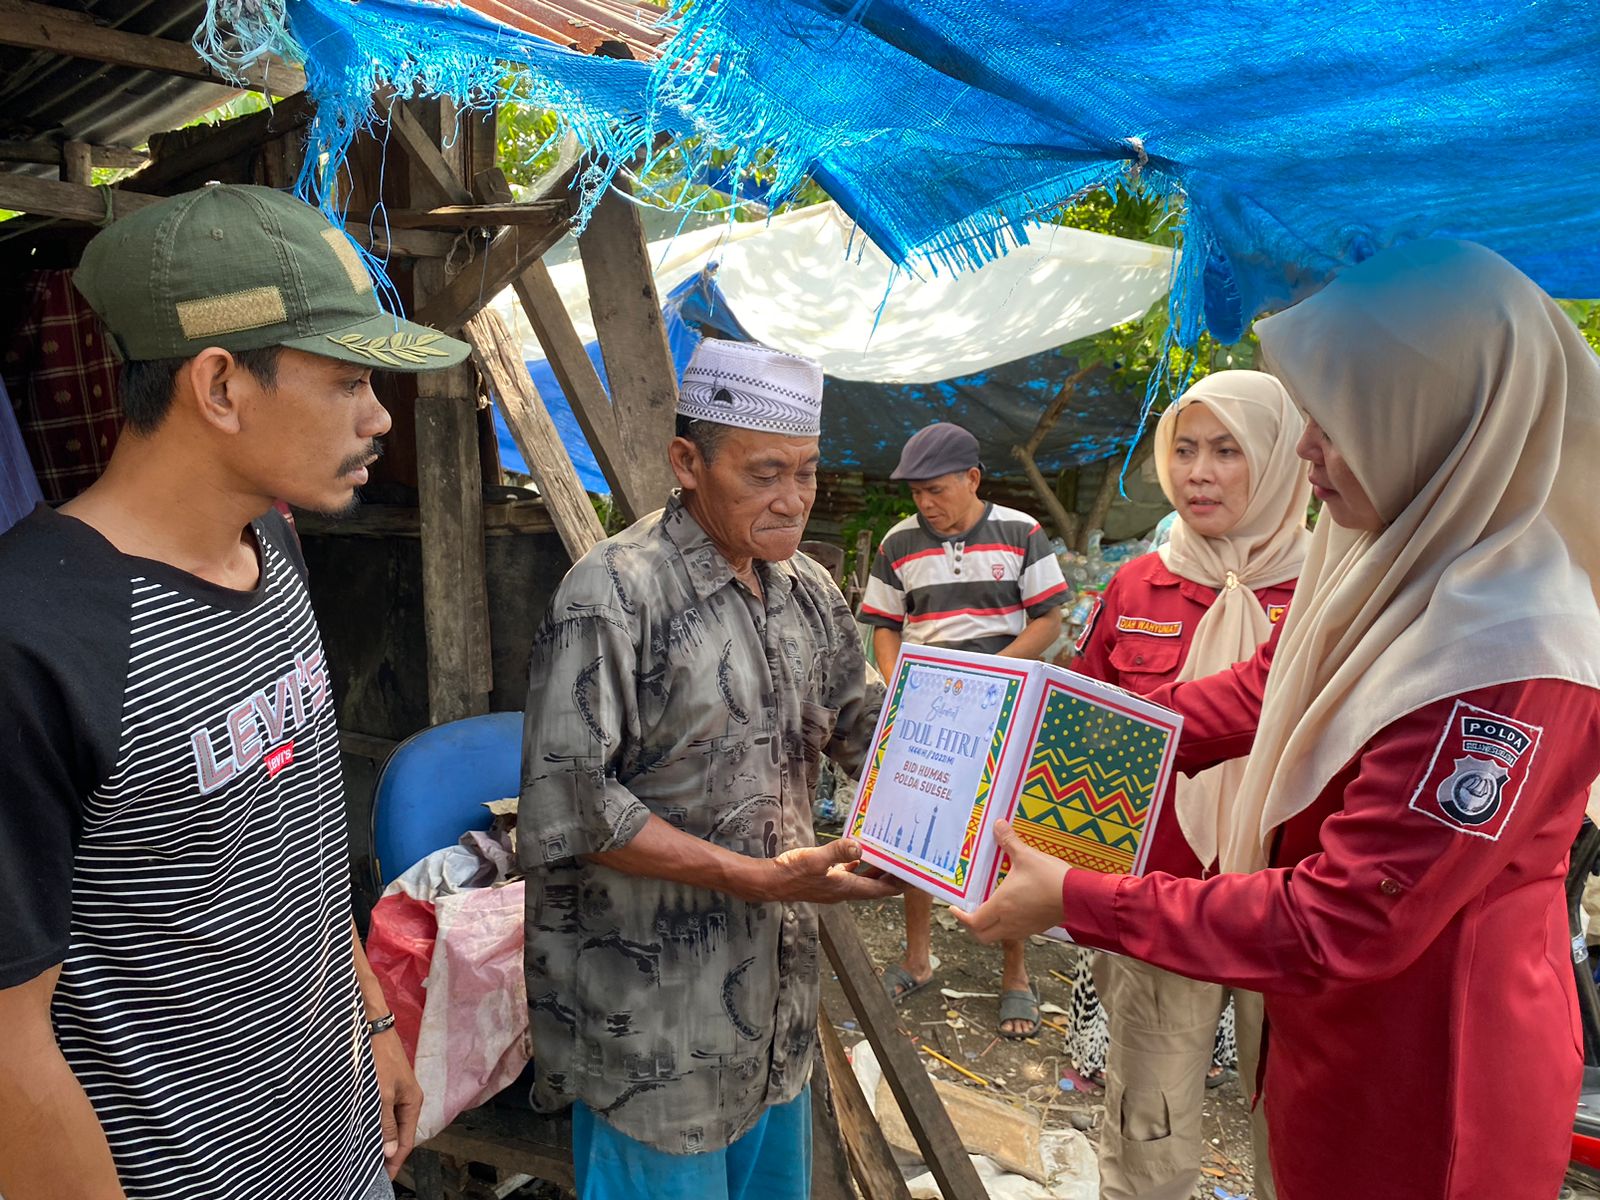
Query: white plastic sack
[(473, 1040)]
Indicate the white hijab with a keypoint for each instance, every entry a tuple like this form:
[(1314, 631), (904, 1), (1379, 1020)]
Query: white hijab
[(1266, 547), (1468, 406)]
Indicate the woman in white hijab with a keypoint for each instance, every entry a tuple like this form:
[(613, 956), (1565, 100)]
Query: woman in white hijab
[(1225, 454), (1421, 748)]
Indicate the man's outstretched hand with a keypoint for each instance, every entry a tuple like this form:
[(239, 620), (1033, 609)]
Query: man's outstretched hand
[(828, 874), (1028, 900)]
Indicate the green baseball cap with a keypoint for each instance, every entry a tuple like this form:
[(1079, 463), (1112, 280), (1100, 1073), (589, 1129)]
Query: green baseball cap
[(243, 268)]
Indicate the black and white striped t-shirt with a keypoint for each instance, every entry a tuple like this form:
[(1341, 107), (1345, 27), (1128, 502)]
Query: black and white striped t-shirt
[(172, 833), (971, 591)]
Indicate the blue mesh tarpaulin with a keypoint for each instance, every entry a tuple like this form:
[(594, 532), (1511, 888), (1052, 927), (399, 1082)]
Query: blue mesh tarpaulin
[(1302, 135), (865, 424)]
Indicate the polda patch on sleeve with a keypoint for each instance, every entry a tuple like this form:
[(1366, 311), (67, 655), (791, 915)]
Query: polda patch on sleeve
[(1479, 765)]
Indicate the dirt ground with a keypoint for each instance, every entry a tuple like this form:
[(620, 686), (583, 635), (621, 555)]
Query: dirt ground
[(965, 1031)]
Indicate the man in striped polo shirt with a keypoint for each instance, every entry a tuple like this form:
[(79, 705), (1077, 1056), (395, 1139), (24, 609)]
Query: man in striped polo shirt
[(963, 574)]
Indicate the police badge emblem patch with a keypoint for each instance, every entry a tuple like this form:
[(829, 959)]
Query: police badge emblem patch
[(1472, 794), (1469, 785)]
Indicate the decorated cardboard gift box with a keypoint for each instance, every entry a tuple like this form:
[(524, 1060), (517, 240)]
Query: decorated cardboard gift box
[(1079, 767)]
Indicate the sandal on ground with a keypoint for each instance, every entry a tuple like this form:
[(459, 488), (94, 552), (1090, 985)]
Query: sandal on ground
[(1220, 1078), (898, 983), (1020, 1005)]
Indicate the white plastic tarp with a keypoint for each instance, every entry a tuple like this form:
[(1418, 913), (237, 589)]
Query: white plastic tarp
[(810, 283)]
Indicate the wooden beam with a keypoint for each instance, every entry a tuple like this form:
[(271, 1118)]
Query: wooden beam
[(455, 601), (919, 1102), (871, 1160), (569, 361), (476, 216), (56, 31), (51, 153), (633, 339), (67, 201), (498, 357), (430, 169), (512, 252)]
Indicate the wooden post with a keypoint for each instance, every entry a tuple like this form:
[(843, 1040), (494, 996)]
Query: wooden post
[(76, 163), (498, 357), (455, 598), (871, 1160), (633, 339), (919, 1102)]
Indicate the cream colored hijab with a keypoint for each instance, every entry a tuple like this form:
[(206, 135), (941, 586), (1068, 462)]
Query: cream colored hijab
[(1468, 406), (1266, 547)]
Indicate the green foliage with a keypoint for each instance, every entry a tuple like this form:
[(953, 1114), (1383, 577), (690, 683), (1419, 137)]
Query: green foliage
[(883, 504), (1586, 315)]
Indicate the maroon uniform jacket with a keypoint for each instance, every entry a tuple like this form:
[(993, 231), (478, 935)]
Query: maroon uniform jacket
[(1410, 936), (1138, 638)]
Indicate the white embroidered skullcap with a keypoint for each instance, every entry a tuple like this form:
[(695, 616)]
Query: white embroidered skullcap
[(752, 387)]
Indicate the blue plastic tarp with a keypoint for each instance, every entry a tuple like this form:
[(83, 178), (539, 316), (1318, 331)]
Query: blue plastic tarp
[(865, 424)]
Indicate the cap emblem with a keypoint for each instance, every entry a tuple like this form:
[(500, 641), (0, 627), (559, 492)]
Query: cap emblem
[(394, 350)]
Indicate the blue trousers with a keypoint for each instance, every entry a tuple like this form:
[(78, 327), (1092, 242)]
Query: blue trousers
[(772, 1161)]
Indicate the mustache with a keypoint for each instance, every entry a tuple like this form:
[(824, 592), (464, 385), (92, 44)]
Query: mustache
[(371, 454)]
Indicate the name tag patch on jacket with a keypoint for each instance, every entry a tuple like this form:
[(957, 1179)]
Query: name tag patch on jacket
[(1146, 625), (1477, 771), (1275, 612)]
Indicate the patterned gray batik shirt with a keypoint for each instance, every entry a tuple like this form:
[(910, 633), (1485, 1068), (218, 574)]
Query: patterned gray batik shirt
[(660, 685)]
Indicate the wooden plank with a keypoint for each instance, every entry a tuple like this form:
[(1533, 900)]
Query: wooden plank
[(569, 361), (511, 1139), (871, 1160), (67, 201), (512, 252), (919, 1103), (455, 602), (633, 340), (44, 27), (830, 1165), (409, 243), (496, 353), (476, 216)]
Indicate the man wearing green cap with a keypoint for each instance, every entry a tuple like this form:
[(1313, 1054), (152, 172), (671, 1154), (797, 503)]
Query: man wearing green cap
[(187, 1010)]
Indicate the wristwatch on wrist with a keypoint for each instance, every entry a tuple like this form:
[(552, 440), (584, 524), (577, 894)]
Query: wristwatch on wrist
[(381, 1025)]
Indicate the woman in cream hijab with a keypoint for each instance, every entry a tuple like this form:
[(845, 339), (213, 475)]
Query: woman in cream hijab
[(1421, 747), (1225, 454)]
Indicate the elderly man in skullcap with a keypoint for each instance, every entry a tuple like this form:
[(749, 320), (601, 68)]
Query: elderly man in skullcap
[(690, 675)]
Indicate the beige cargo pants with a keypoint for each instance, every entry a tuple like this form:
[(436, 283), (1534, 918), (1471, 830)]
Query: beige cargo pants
[(1162, 1028)]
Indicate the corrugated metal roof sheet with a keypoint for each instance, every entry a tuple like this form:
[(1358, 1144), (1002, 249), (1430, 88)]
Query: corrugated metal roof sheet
[(49, 95), (45, 95)]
